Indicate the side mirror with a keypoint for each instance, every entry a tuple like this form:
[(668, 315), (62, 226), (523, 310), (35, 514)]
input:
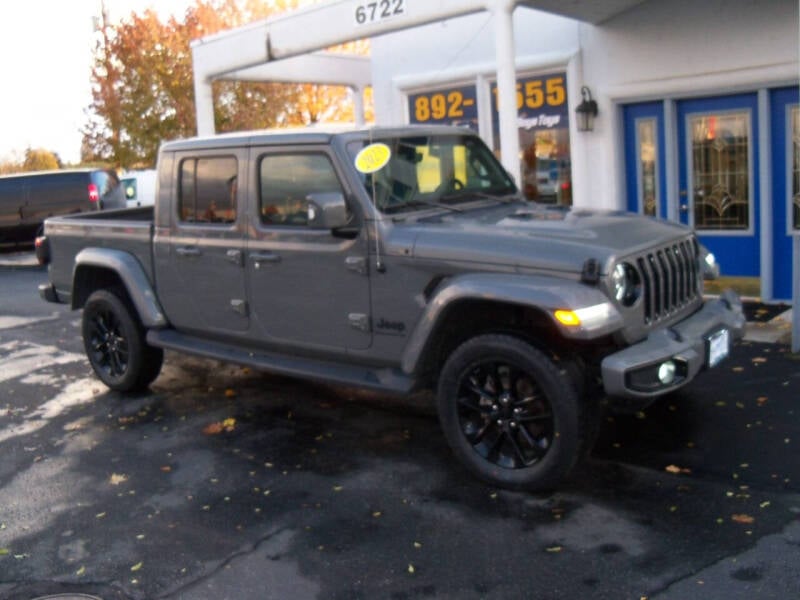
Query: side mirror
[(326, 210)]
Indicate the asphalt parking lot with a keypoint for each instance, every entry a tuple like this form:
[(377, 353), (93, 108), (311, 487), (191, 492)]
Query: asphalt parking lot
[(222, 482)]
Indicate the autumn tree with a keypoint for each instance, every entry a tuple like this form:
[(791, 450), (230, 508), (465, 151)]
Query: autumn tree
[(143, 90), (36, 159)]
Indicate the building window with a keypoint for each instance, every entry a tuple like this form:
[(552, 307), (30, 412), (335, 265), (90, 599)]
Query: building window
[(647, 166), (543, 120), (720, 150), (208, 190), (286, 180)]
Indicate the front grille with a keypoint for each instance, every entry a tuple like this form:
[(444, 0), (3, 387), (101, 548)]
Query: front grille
[(670, 279)]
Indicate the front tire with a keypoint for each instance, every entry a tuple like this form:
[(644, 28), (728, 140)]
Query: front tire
[(115, 344), (509, 413)]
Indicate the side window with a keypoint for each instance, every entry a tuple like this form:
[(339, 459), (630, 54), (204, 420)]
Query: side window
[(207, 190), (286, 180)]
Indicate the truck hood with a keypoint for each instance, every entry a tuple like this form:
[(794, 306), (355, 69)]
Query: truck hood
[(535, 236)]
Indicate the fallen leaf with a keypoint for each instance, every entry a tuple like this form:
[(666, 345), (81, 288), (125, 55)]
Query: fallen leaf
[(554, 549), (376, 514), (737, 369), (117, 478), (759, 360), (166, 468), (337, 488), (229, 424), (4, 551), (745, 519), (411, 568), (80, 571), (213, 429), (229, 393), (137, 566), (100, 515), (761, 400), (676, 469)]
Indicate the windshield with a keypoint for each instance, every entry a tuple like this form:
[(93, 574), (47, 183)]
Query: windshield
[(438, 170)]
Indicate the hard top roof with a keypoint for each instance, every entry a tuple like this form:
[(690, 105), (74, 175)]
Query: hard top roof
[(311, 135)]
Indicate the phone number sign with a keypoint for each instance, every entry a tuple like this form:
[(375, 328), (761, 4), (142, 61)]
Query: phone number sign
[(451, 106), (541, 101)]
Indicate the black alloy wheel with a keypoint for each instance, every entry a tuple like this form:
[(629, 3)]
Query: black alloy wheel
[(510, 413), (115, 343), (504, 415), (107, 342)]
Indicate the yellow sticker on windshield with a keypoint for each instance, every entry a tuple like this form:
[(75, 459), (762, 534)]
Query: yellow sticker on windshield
[(373, 158)]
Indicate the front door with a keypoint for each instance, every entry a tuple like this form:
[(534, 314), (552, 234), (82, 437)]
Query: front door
[(308, 288), (644, 159), (785, 114), (719, 187)]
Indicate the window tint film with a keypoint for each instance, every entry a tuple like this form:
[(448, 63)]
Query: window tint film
[(286, 181)]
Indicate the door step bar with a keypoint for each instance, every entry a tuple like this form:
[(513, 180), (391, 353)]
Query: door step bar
[(383, 379)]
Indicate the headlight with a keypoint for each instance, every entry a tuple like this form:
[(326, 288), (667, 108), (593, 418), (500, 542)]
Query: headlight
[(626, 283)]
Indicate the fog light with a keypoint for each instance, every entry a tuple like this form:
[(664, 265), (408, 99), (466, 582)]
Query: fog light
[(666, 372)]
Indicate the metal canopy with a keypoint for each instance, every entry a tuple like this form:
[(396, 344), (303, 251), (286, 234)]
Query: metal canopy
[(287, 49), (588, 11), (324, 68)]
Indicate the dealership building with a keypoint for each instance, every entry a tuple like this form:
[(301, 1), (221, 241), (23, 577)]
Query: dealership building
[(677, 109)]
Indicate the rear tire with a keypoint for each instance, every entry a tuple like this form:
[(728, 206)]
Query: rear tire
[(510, 414), (115, 343)]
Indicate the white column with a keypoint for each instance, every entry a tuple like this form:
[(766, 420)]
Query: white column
[(502, 15), (204, 106), (358, 105)]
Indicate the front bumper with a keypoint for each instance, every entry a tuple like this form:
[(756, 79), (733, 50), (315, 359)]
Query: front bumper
[(631, 373)]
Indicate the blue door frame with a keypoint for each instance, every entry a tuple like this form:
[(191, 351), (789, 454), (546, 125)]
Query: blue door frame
[(633, 114), (781, 103), (738, 251)]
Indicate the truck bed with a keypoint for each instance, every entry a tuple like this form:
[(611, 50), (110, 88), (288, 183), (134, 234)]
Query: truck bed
[(129, 230)]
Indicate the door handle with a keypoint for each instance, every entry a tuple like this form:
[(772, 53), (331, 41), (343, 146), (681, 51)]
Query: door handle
[(264, 257), (187, 251)]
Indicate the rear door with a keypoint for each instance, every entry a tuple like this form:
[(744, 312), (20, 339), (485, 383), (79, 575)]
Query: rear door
[(200, 254)]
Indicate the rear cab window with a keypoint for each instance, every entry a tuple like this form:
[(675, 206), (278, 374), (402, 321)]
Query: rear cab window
[(207, 190)]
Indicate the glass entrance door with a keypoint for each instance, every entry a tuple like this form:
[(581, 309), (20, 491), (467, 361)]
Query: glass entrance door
[(644, 159), (785, 114), (718, 158)]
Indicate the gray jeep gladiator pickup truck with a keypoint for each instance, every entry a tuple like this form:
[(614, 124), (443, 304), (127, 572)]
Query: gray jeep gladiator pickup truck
[(396, 259)]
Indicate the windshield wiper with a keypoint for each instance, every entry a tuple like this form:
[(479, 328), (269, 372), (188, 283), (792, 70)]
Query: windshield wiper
[(418, 202), (506, 198)]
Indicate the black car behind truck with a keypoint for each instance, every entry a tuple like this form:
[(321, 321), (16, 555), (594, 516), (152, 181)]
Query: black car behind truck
[(27, 199)]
